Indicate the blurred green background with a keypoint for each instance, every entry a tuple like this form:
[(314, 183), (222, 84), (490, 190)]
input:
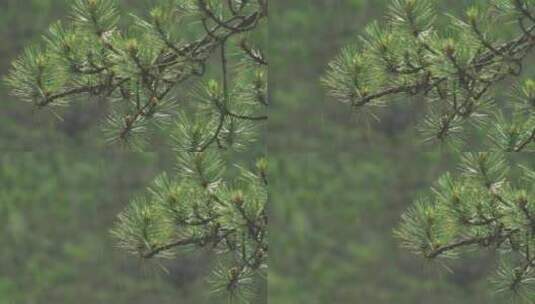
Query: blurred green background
[(338, 186)]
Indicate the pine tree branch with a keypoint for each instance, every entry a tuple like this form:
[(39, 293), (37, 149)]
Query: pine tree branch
[(172, 245), (526, 142)]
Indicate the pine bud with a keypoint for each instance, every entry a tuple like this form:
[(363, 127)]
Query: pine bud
[(410, 5), (262, 164), (92, 4), (529, 86), (237, 198), (233, 273), (132, 46), (106, 36), (514, 131), (40, 61), (173, 198), (430, 216), (357, 62), (259, 76), (213, 89), (449, 47), (473, 14), (455, 198), (522, 199), (529, 91), (157, 14), (260, 254)]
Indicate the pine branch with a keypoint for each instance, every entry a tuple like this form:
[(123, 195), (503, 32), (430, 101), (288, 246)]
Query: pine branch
[(138, 70), (456, 74), (483, 207)]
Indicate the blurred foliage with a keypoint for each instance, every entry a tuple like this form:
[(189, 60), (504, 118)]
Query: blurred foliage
[(56, 212)]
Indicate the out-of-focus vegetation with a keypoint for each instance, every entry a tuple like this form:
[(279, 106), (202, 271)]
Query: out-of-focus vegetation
[(340, 185)]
